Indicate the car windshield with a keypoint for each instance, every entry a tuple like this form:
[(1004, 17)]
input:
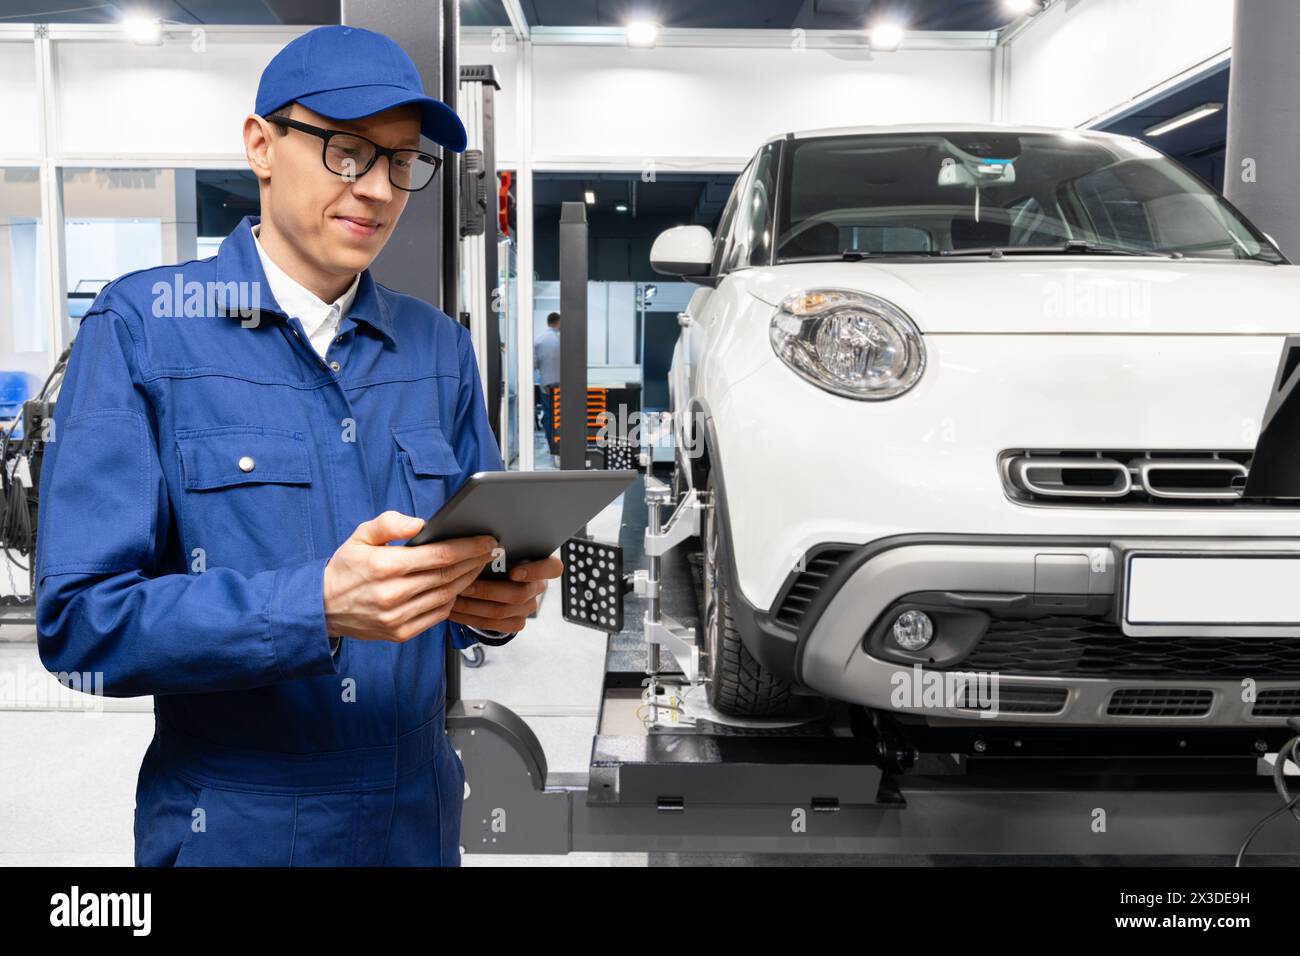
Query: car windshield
[(969, 193)]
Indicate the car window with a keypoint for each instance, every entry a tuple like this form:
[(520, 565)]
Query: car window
[(1116, 217), (759, 204), (720, 240), (886, 239), (1032, 226), (751, 231), (927, 193)]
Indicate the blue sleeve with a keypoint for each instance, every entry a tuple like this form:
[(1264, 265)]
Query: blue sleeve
[(473, 441), (106, 601)]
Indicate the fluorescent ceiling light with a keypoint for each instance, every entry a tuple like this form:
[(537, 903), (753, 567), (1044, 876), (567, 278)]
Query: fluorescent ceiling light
[(590, 197), (642, 33), (885, 36), (143, 30), (1023, 6), (1191, 116), (621, 207)]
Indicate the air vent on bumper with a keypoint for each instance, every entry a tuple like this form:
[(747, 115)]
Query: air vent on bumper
[(1277, 702), (1160, 702), (818, 568), (1017, 699)]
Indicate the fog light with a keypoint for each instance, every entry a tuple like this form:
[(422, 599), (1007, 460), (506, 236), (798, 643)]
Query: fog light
[(913, 630)]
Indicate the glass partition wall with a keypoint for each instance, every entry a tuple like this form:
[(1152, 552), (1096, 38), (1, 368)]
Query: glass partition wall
[(24, 280)]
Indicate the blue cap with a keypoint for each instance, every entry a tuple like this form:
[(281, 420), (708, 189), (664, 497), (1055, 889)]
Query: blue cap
[(346, 73)]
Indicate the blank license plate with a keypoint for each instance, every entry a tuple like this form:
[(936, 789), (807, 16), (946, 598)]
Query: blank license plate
[(1213, 589)]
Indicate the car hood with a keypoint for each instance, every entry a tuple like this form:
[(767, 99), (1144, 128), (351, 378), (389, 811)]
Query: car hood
[(1062, 294)]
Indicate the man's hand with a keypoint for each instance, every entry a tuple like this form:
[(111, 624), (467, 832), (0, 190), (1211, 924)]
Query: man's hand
[(379, 593), (505, 605)]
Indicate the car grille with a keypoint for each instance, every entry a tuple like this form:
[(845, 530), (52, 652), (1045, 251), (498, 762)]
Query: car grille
[(1071, 646), (1120, 478), (1277, 702), (1160, 702), (798, 598)]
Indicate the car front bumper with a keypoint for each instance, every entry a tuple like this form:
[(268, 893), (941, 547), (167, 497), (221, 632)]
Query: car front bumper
[(1027, 632)]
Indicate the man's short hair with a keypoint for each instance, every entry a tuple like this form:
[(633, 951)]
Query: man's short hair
[(553, 319), (281, 112)]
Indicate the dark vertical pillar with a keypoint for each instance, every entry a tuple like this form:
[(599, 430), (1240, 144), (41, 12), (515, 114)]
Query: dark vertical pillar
[(485, 76), (413, 261), (422, 256), (1263, 137), (573, 335), (451, 162), (492, 342)]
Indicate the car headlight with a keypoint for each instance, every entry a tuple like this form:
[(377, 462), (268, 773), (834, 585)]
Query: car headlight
[(849, 343)]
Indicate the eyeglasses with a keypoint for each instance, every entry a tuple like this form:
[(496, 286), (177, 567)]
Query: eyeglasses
[(351, 156)]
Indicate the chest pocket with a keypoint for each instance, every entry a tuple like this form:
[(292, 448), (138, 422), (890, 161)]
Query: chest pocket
[(427, 463), (246, 498)]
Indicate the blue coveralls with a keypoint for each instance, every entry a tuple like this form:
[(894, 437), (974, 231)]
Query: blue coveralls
[(205, 465)]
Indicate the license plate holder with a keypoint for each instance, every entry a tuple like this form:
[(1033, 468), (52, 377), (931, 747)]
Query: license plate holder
[(1210, 592)]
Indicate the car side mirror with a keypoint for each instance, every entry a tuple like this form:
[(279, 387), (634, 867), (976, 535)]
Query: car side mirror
[(683, 251)]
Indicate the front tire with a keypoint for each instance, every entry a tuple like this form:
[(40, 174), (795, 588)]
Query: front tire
[(737, 683)]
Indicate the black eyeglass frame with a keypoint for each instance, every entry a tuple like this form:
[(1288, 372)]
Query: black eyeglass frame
[(327, 134)]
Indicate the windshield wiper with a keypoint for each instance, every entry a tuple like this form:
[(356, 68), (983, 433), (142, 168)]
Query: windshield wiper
[(1074, 247), (856, 255)]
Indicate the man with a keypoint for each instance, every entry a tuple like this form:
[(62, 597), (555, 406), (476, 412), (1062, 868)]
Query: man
[(237, 442), (546, 361)]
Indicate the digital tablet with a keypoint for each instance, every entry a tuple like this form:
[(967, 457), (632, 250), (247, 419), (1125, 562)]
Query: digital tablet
[(531, 513)]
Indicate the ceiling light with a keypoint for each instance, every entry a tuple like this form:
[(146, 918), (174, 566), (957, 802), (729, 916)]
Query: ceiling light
[(621, 207), (143, 30), (885, 36), (1023, 6), (642, 33), (1182, 119), (590, 197)]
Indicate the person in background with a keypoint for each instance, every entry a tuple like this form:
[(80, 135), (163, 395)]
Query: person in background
[(546, 360)]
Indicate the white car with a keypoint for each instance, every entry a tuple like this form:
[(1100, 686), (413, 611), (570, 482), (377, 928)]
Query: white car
[(976, 405)]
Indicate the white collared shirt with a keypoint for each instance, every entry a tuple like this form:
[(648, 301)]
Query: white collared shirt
[(320, 320)]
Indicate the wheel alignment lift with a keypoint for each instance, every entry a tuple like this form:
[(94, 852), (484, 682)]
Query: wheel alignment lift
[(828, 787)]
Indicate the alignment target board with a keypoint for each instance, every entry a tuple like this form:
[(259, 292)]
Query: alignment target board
[(593, 583)]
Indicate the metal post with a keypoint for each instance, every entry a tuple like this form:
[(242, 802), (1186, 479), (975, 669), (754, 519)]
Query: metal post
[(573, 335), (450, 242), (56, 317), (411, 259), (483, 299), (451, 166), (654, 523), (524, 238), (429, 232), (1261, 147), (490, 264)]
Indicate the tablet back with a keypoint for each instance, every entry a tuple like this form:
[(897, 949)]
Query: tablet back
[(530, 512)]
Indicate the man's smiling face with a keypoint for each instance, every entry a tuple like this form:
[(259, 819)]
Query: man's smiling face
[(331, 228)]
